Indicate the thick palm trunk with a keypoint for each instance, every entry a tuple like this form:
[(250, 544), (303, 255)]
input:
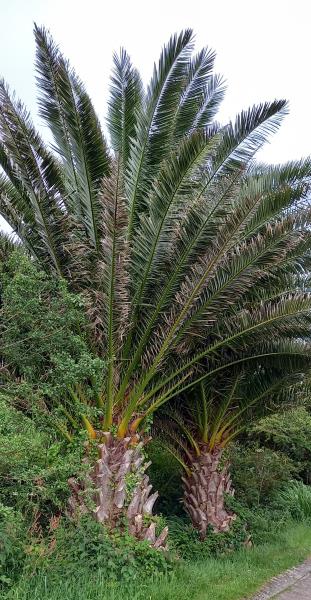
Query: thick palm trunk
[(121, 490), (204, 493)]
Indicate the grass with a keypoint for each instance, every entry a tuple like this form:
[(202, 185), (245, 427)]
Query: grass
[(296, 497), (230, 578)]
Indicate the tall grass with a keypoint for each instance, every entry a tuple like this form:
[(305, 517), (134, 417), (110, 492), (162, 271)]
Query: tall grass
[(296, 498), (234, 577)]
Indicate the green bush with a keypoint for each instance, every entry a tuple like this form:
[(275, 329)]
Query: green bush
[(258, 472), (117, 555), (12, 545), (290, 433), (253, 525), (22, 456), (262, 523), (184, 539), (296, 498), (45, 347), (34, 467), (45, 339)]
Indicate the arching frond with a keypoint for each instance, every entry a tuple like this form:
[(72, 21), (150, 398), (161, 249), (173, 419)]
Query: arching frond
[(125, 104), (201, 95), (67, 109), (155, 121), (34, 174), (113, 281), (228, 402)]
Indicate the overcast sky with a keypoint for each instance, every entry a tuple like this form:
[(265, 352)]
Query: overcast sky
[(263, 50)]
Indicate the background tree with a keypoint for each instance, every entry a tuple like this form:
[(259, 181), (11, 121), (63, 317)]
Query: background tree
[(287, 431)]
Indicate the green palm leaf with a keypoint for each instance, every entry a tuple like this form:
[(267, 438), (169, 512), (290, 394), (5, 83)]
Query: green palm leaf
[(126, 99), (201, 95), (67, 109), (155, 121), (33, 173)]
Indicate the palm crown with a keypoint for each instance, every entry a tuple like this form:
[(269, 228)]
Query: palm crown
[(215, 413), (197, 429), (191, 257)]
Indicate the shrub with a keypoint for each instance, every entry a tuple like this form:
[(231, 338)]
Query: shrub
[(258, 472), (290, 433), (12, 545), (184, 539), (253, 525), (261, 523), (50, 350), (116, 554), (34, 467)]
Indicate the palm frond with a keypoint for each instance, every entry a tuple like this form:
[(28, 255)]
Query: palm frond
[(113, 281), (155, 122), (126, 99), (66, 107), (257, 124), (34, 174), (201, 95), (235, 397)]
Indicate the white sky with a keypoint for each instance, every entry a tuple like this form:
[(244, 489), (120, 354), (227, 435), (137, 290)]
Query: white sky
[(263, 50)]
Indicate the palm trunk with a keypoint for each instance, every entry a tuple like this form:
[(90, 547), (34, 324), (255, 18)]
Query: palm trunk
[(121, 490), (204, 493)]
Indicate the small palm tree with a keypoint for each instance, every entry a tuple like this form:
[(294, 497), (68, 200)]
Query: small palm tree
[(168, 234), (198, 429)]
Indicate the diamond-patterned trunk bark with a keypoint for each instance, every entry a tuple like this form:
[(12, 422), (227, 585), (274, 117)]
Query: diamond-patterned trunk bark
[(121, 489), (204, 493)]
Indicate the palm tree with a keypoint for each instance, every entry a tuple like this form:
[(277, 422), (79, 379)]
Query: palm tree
[(164, 233), (198, 430)]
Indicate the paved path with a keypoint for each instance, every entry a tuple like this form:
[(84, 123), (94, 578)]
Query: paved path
[(294, 584)]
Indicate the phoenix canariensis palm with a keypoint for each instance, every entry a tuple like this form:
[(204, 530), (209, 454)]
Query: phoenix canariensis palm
[(164, 233), (197, 430)]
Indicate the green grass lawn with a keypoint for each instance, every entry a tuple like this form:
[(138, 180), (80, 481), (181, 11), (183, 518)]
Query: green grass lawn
[(231, 578)]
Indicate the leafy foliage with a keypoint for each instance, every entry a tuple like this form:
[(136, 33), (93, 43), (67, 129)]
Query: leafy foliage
[(239, 575), (34, 467), (186, 541), (42, 324), (258, 473), (12, 545), (45, 345), (289, 432), (264, 523), (118, 556), (173, 226)]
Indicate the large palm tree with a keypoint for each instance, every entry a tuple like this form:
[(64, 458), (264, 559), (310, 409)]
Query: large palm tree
[(198, 429), (166, 233)]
